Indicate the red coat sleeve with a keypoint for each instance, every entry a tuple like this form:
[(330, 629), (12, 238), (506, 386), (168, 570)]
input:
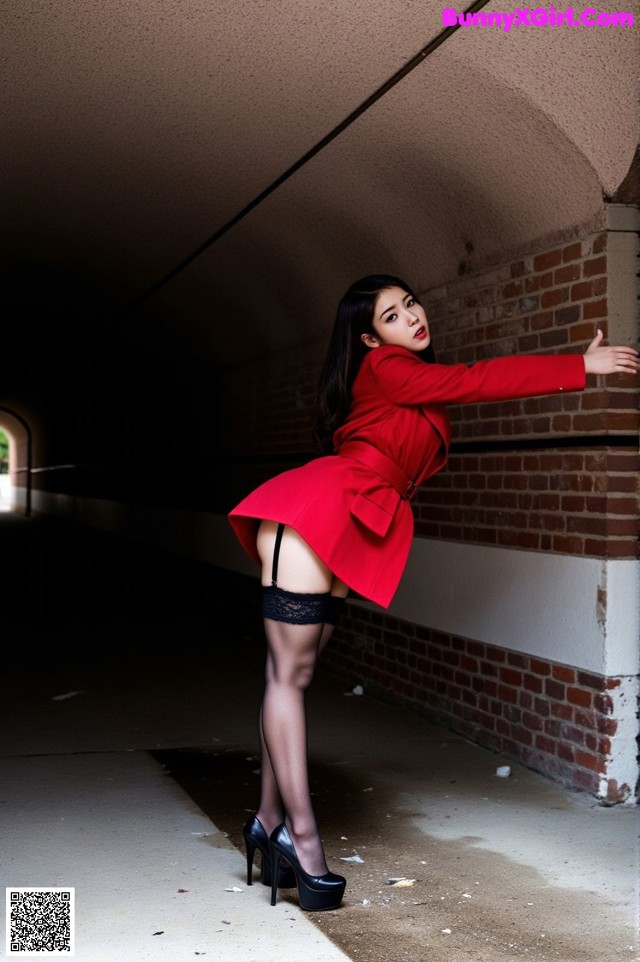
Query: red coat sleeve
[(404, 379)]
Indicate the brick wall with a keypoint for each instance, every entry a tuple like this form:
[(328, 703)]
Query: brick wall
[(552, 717), (507, 482), (579, 501)]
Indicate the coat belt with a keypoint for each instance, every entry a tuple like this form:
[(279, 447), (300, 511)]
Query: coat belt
[(384, 467)]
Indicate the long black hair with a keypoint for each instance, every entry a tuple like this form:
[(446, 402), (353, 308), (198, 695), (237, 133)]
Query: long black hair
[(346, 351)]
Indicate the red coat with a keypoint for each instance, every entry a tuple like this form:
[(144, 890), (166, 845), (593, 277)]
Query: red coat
[(354, 512)]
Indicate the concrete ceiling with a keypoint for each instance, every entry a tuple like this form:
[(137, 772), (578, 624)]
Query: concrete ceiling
[(134, 130)]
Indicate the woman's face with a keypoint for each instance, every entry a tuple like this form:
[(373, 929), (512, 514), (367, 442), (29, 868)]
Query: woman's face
[(400, 320)]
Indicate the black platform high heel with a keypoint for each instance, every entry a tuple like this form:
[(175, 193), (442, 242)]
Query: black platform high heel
[(316, 893), (255, 837)]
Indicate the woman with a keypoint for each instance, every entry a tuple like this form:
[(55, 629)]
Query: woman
[(344, 521)]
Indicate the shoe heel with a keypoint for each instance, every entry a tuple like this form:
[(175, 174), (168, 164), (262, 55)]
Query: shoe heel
[(274, 878), (250, 846)]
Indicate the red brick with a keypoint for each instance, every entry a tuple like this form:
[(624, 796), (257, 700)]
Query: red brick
[(476, 648), (572, 252), (568, 545), (540, 667), (554, 339), (468, 664), (612, 549), (627, 461), (578, 696), (621, 484), (595, 309), (622, 422), (589, 422), (507, 694), (517, 660), (589, 680), (587, 760), (619, 527), (622, 400), (568, 315), (554, 690), (582, 332), (496, 654), (557, 296), (593, 400), (543, 262), (592, 526), (597, 265), (564, 673), (582, 291), (571, 272)]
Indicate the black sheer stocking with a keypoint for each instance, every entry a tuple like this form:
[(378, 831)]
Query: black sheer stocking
[(292, 651), (271, 812)]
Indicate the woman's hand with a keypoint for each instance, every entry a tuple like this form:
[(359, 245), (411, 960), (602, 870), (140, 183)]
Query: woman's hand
[(610, 360)]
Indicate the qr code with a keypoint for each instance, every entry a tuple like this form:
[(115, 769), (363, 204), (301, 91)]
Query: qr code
[(40, 920)]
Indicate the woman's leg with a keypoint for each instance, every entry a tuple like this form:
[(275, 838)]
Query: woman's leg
[(292, 651), (271, 812)]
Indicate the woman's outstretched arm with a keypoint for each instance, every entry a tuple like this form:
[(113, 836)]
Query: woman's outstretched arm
[(405, 380)]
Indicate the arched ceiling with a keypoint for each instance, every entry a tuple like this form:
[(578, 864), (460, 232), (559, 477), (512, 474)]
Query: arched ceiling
[(133, 130)]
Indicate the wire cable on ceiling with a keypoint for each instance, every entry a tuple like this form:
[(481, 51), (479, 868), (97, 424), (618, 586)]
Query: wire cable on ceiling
[(399, 75)]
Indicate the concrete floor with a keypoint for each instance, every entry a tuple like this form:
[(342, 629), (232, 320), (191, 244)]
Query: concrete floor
[(84, 804)]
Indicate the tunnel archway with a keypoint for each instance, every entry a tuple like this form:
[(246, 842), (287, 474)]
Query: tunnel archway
[(20, 436), (6, 456)]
